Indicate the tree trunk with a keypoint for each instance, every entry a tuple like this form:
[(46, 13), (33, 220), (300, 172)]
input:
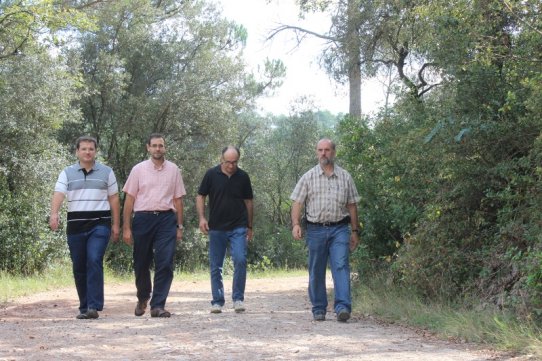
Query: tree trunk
[(352, 48), (354, 80)]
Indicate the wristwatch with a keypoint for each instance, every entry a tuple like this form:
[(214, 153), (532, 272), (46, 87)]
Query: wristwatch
[(180, 226), (356, 231)]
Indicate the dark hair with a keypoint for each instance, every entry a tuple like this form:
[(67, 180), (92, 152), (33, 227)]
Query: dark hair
[(153, 136), (86, 138), (231, 147)]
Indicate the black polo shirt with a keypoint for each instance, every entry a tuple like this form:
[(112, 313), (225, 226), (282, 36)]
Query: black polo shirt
[(227, 195)]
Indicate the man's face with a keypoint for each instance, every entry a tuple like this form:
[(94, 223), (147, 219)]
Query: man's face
[(229, 161), (86, 153), (157, 148), (325, 152)]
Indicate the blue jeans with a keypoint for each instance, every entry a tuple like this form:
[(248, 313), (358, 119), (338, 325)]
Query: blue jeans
[(329, 243), (155, 237), (87, 251), (218, 242)]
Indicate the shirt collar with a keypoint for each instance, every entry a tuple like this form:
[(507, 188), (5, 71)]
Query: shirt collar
[(95, 166), (322, 172), (154, 167), (218, 169)]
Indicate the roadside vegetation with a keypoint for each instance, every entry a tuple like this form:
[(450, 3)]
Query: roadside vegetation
[(468, 321)]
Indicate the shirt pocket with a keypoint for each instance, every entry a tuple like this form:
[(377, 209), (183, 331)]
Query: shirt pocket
[(340, 194)]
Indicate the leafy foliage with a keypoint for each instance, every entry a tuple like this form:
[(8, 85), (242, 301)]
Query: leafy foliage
[(450, 181), (30, 160)]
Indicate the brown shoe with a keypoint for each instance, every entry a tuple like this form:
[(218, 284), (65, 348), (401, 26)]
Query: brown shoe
[(141, 306), (160, 312)]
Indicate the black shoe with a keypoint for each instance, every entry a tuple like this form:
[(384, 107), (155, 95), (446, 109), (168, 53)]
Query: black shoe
[(141, 306), (319, 317), (91, 313), (343, 315)]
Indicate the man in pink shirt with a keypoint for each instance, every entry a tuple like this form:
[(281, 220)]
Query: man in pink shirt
[(154, 191)]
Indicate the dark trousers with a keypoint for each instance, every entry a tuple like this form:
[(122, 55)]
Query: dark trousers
[(87, 251), (155, 238)]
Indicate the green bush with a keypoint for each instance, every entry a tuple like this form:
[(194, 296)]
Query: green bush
[(27, 245), (275, 245), (119, 257), (192, 251)]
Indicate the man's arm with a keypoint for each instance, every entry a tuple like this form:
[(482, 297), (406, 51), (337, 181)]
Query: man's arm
[(56, 202), (250, 212), (114, 203), (179, 208), (354, 224), (297, 232), (200, 207), (127, 219)]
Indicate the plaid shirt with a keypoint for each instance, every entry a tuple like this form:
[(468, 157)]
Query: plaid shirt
[(326, 197)]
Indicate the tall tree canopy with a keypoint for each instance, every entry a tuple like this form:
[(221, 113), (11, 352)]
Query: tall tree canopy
[(170, 66)]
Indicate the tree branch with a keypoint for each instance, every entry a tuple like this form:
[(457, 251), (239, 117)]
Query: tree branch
[(530, 26), (296, 29), (91, 4)]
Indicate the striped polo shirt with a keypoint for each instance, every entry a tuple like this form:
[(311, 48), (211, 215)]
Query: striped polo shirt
[(326, 197), (87, 194)]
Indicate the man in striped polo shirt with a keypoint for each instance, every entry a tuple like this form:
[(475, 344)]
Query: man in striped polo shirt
[(93, 204), (330, 198)]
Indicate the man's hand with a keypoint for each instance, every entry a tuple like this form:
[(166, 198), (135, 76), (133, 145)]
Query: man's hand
[(297, 232), (115, 232), (53, 221), (127, 236), (354, 241), (179, 234), (204, 226)]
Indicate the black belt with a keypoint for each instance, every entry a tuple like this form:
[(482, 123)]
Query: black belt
[(154, 212), (345, 220)]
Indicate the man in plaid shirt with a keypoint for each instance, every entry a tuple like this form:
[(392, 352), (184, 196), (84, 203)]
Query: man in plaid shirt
[(330, 198)]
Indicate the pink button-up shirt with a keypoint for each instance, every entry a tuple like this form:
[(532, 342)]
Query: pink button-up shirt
[(154, 188)]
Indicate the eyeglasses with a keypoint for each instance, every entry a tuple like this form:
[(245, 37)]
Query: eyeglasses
[(231, 162)]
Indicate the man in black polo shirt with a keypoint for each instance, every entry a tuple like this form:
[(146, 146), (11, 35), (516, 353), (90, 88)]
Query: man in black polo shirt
[(230, 220)]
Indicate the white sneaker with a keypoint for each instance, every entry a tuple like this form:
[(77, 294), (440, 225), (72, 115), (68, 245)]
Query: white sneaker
[(216, 308), (238, 306)]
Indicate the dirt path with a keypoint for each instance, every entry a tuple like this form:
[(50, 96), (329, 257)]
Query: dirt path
[(277, 326)]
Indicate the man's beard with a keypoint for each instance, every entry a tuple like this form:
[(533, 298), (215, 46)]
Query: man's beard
[(327, 161)]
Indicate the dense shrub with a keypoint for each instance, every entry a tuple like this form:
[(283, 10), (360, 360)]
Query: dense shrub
[(275, 244), (27, 245)]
